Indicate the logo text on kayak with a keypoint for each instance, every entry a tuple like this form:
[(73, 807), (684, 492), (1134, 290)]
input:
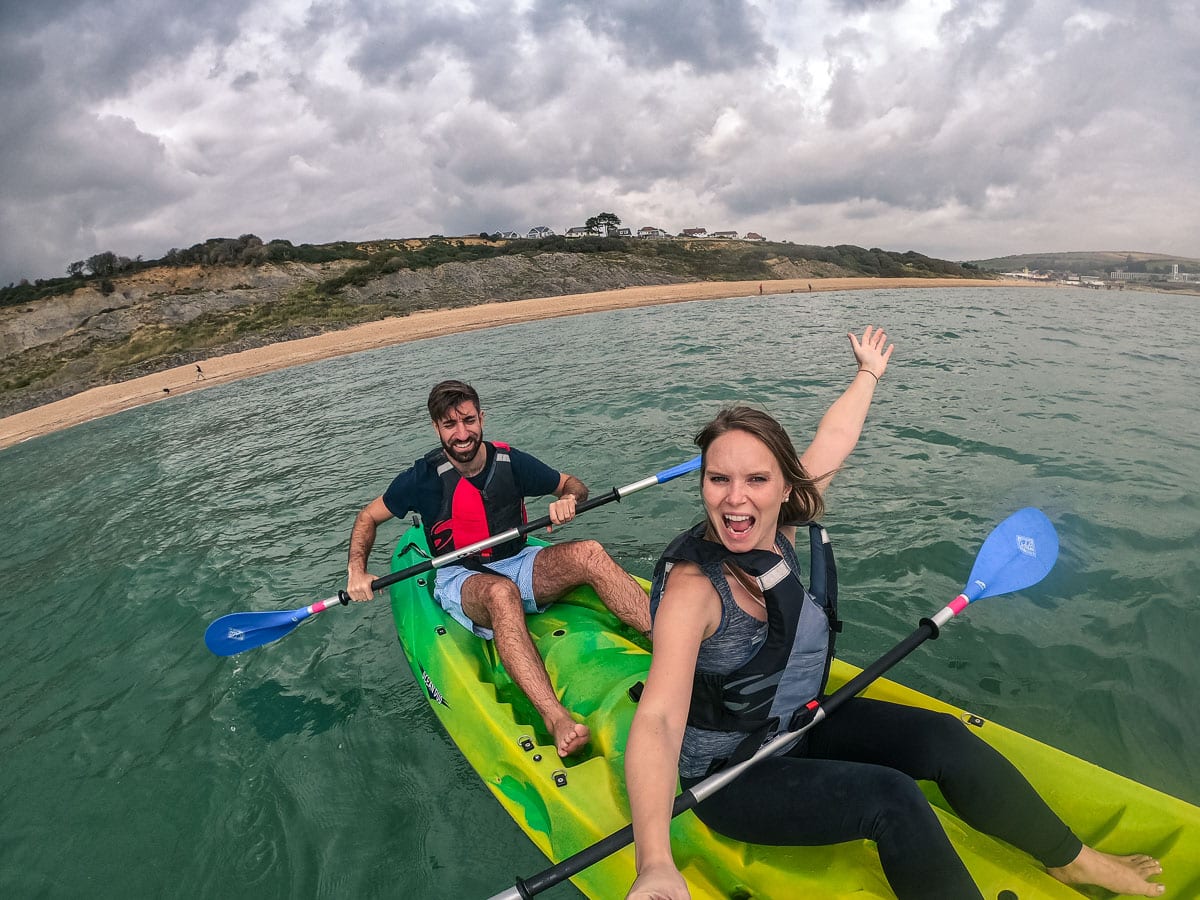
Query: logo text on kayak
[(434, 693)]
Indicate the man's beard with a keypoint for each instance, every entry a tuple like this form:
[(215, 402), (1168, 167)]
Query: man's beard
[(460, 456)]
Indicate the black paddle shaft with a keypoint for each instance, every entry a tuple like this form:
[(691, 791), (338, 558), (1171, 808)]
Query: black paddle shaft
[(526, 888), (519, 531)]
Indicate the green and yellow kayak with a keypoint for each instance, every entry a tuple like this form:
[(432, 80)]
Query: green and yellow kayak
[(566, 805)]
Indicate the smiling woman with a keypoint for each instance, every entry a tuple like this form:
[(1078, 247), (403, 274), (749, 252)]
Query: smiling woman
[(742, 651)]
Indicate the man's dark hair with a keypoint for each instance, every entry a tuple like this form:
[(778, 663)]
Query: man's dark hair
[(450, 395)]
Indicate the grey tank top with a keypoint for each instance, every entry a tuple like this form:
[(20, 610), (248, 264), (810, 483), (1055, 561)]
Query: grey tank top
[(736, 640)]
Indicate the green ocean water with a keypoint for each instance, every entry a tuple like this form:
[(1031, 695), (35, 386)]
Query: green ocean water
[(137, 764)]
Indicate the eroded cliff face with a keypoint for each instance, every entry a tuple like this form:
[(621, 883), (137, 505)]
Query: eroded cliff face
[(161, 296), (63, 345)]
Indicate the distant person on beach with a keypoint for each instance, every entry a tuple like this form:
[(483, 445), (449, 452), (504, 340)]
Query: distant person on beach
[(467, 489), (199, 374), (742, 647)]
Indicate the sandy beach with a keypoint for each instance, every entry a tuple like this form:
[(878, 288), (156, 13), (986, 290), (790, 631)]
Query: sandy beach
[(108, 399)]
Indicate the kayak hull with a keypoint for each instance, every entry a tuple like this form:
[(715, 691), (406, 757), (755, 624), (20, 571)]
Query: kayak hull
[(567, 805)]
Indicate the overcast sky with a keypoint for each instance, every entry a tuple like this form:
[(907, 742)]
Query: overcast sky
[(961, 130)]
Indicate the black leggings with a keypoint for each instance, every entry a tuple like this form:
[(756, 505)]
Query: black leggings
[(852, 778)]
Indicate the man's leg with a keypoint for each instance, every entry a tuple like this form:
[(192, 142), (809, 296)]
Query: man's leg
[(494, 602), (560, 567)]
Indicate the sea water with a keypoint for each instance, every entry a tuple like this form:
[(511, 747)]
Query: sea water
[(137, 764)]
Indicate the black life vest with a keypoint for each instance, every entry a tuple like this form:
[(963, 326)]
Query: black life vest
[(470, 514), (770, 691)]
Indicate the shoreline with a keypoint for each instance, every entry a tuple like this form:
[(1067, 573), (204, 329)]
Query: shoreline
[(105, 400)]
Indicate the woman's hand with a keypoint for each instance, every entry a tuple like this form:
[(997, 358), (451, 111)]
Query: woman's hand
[(870, 352), (659, 882)]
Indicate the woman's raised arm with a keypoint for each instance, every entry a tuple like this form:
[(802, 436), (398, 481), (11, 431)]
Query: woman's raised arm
[(840, 427)]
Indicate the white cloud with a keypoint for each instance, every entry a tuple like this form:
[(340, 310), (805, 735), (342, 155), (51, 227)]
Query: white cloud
[(959, 130)]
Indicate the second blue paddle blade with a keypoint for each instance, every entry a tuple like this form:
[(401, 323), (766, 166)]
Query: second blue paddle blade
[(243, 631), (1018, 553)]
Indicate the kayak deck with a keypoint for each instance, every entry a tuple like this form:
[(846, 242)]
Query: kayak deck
[(566, 805)]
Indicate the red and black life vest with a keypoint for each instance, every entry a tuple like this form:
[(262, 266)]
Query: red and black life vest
[(470, 514)]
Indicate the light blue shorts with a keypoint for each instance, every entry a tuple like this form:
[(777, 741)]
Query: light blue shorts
[(447, 589)]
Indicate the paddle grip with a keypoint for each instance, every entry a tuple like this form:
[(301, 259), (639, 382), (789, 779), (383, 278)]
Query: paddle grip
[(573, 865), (588, 856), (527, 528), (590, 503)]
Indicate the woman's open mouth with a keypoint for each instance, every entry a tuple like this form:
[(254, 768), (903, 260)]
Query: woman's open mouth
[(739, 524)]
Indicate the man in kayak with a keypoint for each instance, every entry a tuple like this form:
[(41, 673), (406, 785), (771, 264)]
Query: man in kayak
[(468, 489), (740, 645)]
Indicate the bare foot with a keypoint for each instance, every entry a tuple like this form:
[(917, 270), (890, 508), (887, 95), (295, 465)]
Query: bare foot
[(1119, 874), (569, 736)]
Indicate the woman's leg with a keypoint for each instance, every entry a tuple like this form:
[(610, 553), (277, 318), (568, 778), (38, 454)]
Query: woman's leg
[(984, 788), (791, 801)]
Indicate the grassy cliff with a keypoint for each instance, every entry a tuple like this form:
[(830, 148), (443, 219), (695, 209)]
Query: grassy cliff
[(129, 318)]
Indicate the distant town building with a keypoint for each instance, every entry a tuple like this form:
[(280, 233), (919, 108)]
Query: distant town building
[(1026, 275), (1174, 275), (654, 232)]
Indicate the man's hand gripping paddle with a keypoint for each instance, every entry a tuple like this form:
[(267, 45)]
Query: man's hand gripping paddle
[(242, 631)]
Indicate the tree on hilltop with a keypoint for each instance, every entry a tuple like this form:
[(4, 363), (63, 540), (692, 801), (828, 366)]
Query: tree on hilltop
[(102, 263), (603, 223)]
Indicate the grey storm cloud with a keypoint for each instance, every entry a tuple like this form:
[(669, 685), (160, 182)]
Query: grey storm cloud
[(721, 36), (957, 129)]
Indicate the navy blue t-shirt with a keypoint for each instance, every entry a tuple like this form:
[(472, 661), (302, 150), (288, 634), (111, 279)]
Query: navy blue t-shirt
[(419, 489)]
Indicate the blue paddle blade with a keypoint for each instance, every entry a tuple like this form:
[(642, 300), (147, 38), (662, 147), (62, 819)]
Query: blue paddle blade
[(245, 630), (1018, 553)]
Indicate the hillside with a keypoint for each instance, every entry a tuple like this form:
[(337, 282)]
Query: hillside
[(1097, 264), (65, 335)]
